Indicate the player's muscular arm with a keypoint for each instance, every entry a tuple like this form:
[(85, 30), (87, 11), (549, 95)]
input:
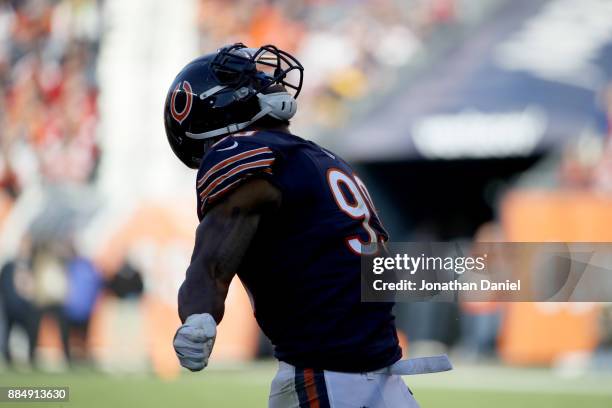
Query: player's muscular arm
[(222, 239)]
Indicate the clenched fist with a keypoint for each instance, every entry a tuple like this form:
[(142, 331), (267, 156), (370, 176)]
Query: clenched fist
[(194, 340)]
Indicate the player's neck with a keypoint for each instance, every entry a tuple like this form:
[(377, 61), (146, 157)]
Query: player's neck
[(278, 128)]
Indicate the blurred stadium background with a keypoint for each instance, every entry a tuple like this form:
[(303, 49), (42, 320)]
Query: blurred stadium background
[(469, 120)]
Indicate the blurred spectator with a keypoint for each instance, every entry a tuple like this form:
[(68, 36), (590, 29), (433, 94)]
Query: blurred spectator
[(47, 91), (603, 171), (578, 162), (17, 300), (127, 323), (51, 286), (127, 282), (84, 285), (481, 321)]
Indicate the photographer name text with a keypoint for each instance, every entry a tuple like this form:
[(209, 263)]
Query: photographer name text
[(453, 285)]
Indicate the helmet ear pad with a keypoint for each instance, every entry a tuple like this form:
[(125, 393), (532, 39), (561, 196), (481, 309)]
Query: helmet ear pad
[(279, 105)]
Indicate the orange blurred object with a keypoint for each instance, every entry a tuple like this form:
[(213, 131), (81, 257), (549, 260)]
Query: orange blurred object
[(540, 333), (270, 26)]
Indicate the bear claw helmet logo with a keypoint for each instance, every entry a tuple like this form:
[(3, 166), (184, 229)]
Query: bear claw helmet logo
[(181, 115)]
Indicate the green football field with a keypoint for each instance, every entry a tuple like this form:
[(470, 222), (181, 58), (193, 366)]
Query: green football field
[(247, 386)]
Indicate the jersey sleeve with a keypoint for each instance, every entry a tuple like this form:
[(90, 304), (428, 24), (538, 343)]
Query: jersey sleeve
[(229, 164)]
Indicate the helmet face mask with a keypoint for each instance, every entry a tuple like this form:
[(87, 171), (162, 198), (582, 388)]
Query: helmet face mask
[(237, 66), (227, 91), (285, 69)]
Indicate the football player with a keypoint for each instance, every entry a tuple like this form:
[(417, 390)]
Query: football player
[(290, 219)]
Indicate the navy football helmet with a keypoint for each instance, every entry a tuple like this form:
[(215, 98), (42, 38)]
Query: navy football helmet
[(227, 91)]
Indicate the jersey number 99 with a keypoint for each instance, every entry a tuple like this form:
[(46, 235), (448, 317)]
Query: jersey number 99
[(358, 206)]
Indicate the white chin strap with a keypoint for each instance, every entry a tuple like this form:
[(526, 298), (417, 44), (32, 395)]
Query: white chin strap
[(279, 105)]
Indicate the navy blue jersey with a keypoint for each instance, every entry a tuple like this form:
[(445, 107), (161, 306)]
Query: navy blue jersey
[(302, 269)]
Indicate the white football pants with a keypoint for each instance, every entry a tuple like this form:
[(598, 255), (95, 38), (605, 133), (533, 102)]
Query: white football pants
[(296, 388)]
